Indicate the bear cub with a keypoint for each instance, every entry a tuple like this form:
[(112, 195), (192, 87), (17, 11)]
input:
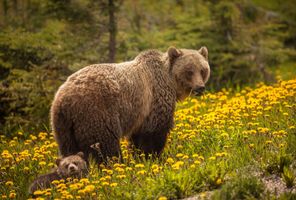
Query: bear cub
[(71, 166)]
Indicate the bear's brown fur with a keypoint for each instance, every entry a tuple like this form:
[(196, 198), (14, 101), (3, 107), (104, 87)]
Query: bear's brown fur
[(105, 102), (70, 166)]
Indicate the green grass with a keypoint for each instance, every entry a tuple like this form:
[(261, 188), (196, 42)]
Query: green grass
[(286, 71), (220, 143)]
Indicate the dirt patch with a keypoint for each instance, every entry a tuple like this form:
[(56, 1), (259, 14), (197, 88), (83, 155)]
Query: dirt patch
[(275, 185)]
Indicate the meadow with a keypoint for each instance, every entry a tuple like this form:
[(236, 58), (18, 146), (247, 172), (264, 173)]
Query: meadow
[(232, 144)]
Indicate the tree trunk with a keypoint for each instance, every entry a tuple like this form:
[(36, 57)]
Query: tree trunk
[(112, 31), (3, 12)]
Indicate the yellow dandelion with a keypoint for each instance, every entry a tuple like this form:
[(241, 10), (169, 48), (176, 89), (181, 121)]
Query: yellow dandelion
[(84, 180), (218, 154), (119, 169), (81, 192), (219, 181), (69, 196), (62, 186), (42, 163), (9, 183), (170, 160), (50, 164), (197, 162), (122, 176), (47, 193), (12, 195), (139, 166), (102, 179), (73, 186), (38, 192), (55, 182), (142, 172), (105, 183), (177, 165), (162, 198), (89, 188), (195, 155), (179, 155), (128, 169), (268, 142), (201, 158), (154, 166), (113, 184), (281, 145), (212, 158)]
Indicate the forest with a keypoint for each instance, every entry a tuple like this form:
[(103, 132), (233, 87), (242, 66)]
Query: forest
[(44, 41)]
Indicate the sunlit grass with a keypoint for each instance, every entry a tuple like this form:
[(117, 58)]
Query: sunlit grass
[(216, 137)]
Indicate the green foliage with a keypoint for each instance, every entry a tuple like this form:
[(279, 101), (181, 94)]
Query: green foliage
[(277, 163), (288, 176), (287, 196), (240, 188)]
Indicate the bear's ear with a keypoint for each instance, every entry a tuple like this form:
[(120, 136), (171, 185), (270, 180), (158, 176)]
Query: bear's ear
[(81, 154), (204, 52), (58, 161), (173, 53)]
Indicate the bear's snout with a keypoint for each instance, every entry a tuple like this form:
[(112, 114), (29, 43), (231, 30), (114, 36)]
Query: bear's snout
[(72, 168), (199, 90)]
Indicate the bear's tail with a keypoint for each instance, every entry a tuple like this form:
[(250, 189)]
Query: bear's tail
[(63, 132)]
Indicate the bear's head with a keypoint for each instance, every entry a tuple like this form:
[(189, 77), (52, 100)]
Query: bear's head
[(189, 69), (72, 166)]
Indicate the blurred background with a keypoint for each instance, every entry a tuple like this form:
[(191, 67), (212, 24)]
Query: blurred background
[(44, 41)]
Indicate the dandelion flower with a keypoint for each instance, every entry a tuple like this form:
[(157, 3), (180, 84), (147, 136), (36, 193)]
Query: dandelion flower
[(162, 198), (9, 183)]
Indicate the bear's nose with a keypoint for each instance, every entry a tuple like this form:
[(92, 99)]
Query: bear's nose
[(72, 168), (199, 89)]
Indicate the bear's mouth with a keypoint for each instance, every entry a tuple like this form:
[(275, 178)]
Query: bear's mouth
[(198, 93), (74, 172), (199, 90)]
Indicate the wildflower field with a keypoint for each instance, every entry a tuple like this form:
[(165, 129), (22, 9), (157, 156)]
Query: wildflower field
[(232, 143)]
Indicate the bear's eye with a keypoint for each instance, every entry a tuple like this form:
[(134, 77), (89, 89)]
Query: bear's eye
[(203, 73), (189, 74)]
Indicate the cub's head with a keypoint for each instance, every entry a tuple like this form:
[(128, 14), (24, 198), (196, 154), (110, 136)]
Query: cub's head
[(72, 166), (190, 70)]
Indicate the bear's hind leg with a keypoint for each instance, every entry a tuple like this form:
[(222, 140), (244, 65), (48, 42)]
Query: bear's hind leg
[(104, 133), (150, 143), (63, 133)]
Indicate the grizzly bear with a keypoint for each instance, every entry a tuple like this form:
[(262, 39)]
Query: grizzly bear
[(102, 103), (70, 166)]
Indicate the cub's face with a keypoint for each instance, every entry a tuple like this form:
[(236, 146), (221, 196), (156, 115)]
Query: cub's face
[(73, 165), (190, 70)]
